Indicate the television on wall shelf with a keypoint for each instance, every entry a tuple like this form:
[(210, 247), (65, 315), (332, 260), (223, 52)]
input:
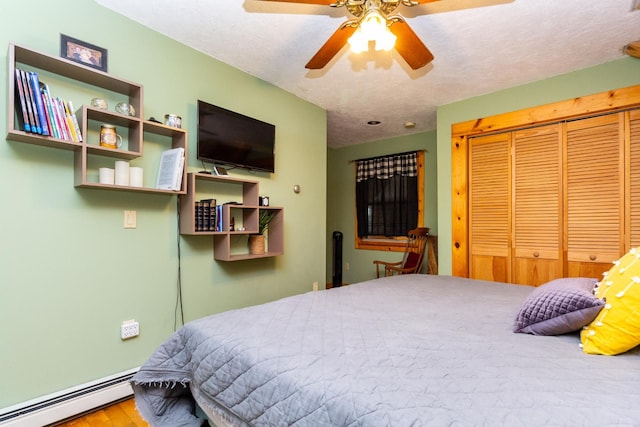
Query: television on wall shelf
[(231, 139)]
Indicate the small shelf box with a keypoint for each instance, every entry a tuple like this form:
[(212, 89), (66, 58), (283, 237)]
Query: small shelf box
[(246, 213)]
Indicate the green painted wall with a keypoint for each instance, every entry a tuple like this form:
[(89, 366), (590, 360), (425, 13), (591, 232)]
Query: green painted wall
[(341, 200), (612, 75), (70, 273)]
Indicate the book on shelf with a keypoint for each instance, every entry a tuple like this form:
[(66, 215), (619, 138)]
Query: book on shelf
[(197, 210), (53, 123), (74, 120), (37, 100), (69, 121), (47, 114), (21, 106), (170, 170), (34, 105), (219, 209), (180, 174), (211, 220), (209, 215)]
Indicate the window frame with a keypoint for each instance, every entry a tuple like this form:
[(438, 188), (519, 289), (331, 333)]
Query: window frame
[(398, 243)]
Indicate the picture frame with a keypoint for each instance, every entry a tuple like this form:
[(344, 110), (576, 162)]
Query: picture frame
[(83, 53)]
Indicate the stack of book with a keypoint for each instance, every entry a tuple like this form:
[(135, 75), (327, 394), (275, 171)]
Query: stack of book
[(206, 215), (40, 113)]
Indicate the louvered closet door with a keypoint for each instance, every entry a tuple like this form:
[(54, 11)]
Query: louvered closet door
[(595, 194), (489, 172), (633, 184), (537, 205)]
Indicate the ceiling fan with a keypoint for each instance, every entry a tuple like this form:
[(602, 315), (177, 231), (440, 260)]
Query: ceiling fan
[(370, 16)]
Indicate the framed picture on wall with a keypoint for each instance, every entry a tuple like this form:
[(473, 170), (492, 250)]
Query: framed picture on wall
[(83, 53)]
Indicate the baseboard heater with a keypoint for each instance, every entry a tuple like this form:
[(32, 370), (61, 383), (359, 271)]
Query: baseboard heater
[(67, 403)]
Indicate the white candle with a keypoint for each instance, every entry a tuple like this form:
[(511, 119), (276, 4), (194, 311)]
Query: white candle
[(135, 176), (122, 173), (106, 176)]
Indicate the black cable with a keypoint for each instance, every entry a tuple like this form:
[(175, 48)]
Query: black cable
[(179, 284)]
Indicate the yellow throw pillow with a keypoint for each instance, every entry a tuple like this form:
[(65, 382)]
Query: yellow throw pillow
[(616, 329)]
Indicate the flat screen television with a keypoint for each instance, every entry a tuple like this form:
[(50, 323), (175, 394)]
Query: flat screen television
[(232, 139)]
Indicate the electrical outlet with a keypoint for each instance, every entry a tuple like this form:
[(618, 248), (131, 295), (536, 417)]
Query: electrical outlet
[(129, 329), (315, 286), (347, 266)]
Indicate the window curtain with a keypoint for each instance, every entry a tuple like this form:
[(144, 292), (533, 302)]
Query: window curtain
[(387, 195)]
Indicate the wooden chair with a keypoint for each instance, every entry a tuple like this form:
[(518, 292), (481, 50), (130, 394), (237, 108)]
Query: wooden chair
[(413, 255)]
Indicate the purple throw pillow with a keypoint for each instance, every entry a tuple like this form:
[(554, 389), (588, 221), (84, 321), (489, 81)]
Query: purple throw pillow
[(558, 307)]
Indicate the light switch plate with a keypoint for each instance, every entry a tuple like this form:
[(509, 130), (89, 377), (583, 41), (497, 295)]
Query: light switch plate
[(130, 219)]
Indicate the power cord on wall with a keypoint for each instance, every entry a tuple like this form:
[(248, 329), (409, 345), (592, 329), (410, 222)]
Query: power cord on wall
[(204, 166), (179, 309)]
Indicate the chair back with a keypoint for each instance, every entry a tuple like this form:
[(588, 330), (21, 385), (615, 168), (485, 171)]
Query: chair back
[(414, 253)]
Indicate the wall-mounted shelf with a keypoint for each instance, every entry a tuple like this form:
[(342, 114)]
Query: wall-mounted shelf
[(89, 155), (244, 210)]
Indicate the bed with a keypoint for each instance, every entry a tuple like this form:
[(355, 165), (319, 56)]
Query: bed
[(413, 350)]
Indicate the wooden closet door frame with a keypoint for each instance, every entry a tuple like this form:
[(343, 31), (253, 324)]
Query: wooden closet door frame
[(604, 102)]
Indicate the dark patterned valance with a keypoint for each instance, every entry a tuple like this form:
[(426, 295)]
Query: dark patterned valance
[(386, 167)]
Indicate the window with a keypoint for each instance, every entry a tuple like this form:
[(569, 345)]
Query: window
[(389, 200)]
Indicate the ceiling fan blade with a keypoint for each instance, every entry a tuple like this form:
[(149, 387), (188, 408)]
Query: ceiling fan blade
[(428, 7), (409, 45), (330, 2), (331, 47), (633, 49), (318, 2)]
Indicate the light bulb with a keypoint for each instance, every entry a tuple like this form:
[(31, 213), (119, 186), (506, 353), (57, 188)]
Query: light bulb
[(372, 28)]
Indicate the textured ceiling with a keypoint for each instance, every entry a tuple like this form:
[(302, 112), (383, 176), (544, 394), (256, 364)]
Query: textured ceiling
[(477, 50)]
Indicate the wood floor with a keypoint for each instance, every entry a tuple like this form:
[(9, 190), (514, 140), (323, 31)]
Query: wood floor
[(121, 414)]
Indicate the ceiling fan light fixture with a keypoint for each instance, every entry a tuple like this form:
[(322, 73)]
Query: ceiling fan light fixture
[(373, 27)]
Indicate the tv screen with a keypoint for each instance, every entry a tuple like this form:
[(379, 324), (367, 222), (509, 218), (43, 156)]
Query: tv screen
[(229, 138)]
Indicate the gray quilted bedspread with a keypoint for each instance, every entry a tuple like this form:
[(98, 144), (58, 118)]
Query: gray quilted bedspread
[(413, 350)]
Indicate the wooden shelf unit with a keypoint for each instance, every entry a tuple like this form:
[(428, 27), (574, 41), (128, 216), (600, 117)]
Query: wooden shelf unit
[(90, 118), (247, 209)]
